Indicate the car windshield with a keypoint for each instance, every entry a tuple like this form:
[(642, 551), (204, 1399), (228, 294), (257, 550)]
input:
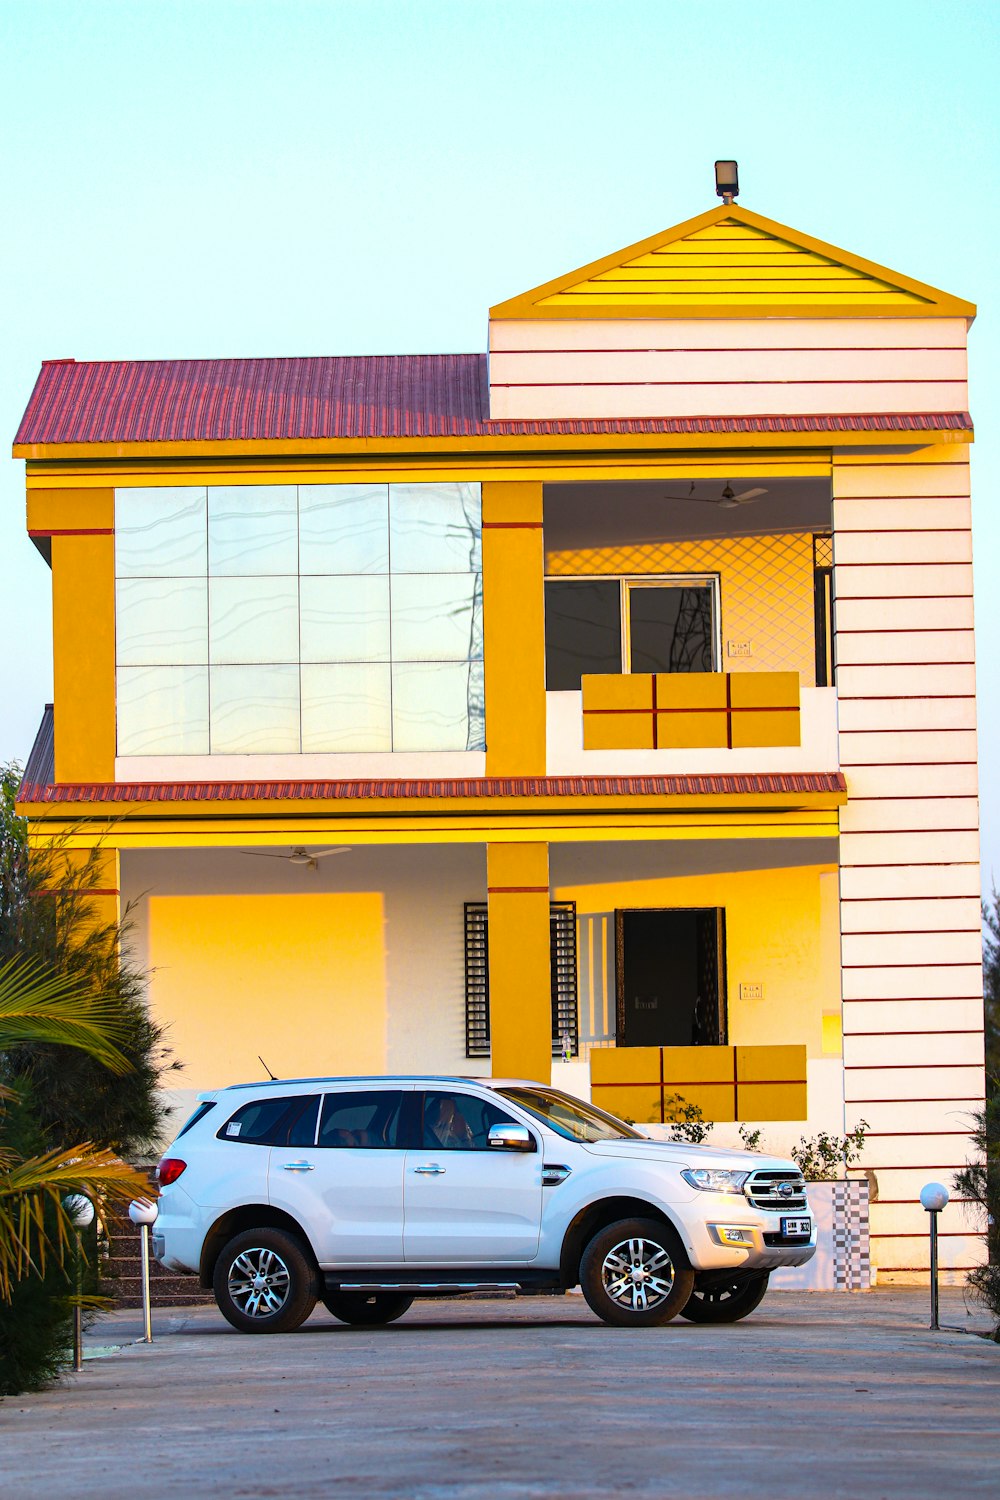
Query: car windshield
[(570, 1117)]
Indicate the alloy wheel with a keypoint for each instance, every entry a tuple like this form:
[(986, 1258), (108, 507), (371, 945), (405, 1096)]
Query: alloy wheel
[(638, 1274), (259, 1282)]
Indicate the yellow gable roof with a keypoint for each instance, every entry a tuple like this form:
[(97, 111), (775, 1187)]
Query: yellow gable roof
[(733, 263)]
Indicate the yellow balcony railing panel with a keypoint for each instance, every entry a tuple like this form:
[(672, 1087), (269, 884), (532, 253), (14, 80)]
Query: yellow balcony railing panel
[(617, 691), (683, 1066), (691, 690), (764, 689), (726, 1083), (694, 731), (773, 1101), (784, 1064), (618, 731), (690, 710), (749, 729)]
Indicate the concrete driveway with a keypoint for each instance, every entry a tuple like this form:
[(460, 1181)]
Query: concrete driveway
[(816, 1394)]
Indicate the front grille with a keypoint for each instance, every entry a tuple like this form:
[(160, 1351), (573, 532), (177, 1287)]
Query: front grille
[(770, 1190)]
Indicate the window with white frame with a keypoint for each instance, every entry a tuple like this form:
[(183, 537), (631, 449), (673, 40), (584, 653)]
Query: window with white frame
[(279, 619), (614, 625)]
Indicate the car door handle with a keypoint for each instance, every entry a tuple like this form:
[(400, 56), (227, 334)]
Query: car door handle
[(432, 1171), (298, 1166)]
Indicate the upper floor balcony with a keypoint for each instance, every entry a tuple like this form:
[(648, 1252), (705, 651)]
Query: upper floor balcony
[(689, 627)]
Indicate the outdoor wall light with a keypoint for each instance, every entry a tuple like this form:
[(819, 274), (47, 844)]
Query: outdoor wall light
[(727, 180)]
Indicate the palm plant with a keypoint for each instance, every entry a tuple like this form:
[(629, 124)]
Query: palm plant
[(40, 1007)]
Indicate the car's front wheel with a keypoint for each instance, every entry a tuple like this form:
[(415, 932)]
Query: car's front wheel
[(367, 1309), (726, 1301), (264, 1282), (634, 1274)]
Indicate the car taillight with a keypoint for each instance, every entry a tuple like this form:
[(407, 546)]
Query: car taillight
[(169, 1170)]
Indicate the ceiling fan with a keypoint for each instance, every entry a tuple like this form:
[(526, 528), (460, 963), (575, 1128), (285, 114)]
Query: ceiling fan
[(728, 500), (299, 855)]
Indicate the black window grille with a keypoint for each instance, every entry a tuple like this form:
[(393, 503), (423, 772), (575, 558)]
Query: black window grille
[(562, 964), (823, 603)]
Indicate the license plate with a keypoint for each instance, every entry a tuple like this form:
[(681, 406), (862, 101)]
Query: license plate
[(796, 1228)]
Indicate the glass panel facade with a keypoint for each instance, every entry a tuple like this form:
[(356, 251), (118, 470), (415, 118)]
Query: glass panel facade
[(269, 619), (161, 621), (162, 710), (160, 533), (344, 528), (253, 620)]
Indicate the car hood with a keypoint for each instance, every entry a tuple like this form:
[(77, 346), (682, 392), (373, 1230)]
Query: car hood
[(680, 1154)]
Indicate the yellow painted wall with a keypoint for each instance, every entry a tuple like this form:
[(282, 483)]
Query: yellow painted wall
[(298, 979), (777, 934), (83, 648), (514, 629), (766, 584)]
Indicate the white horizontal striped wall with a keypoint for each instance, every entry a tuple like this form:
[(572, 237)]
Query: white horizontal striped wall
[(642, 367), (911, 944)]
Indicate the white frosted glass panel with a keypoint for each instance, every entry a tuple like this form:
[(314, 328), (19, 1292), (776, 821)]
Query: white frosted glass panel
[(345, 619), (162, 620), (255, 710), (435, 528), (437, 617), (163, 711), (253, 620), (346, 707), (252, 529), (344, 528), (160, 533), (430, 706)]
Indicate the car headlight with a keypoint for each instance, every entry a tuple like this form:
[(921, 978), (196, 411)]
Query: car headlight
[(715, 1179)]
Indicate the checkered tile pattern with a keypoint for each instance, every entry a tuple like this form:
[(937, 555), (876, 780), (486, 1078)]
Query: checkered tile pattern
[(851, 1250)]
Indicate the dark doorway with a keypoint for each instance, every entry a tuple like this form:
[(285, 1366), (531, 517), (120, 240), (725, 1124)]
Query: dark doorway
[(670, 966)]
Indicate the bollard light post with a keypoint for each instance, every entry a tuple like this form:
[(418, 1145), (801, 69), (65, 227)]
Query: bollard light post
[(143, 1213), (80, 1211), (934, 1197)]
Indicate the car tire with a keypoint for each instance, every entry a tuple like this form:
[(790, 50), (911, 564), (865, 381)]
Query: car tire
[(367, 1309), (264, 1282), (634, 1274), (726, 1301)]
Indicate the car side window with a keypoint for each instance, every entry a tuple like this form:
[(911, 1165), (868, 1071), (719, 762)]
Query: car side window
[(282, 1121), (361, 1119), (460, 1122)]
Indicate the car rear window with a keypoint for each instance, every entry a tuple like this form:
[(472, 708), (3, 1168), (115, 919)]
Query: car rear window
[(203, 1109), (361, 1119), (281, 1121)]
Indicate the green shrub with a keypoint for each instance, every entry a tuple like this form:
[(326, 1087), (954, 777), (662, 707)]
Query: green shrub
[(686, 1121), (824, 1158), (980, 1181), (36, 1325)]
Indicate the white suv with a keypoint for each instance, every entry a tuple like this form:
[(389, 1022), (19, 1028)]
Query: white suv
[(365, 1193)]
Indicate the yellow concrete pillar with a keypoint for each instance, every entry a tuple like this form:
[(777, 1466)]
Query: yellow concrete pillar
[(514, 628), (82, 881), (517, 877), (83, 629)]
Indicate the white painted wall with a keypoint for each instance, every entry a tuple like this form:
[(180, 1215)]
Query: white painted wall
[(643, 367), (911, 941)]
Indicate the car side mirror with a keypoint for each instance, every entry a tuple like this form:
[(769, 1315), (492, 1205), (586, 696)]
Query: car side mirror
[(511, 1138)]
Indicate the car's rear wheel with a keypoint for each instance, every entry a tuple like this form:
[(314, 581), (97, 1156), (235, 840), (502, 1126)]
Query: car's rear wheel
[(634, 1274), (264, 1282), (727, 1301), (367, 1309)]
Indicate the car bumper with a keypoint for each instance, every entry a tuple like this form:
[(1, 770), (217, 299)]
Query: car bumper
[(733, 1236)]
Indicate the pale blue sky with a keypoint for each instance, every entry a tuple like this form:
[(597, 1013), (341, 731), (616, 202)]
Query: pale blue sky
[(368, 176)]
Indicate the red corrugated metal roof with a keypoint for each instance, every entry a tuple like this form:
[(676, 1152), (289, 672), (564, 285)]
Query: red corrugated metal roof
[(389, 791), (374, 396)]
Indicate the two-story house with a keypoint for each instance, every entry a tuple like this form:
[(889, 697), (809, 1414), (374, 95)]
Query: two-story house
[(598, 709)]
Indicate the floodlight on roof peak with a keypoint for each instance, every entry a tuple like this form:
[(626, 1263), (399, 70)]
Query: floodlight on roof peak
[(727, 180)]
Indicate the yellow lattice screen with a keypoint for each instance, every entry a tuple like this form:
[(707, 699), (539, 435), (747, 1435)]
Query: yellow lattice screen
[(726, 1083), (766, 586)]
